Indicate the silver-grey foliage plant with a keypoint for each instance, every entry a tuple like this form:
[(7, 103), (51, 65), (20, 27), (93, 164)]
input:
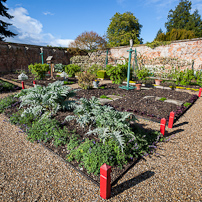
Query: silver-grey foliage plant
[(109, 123), (46, 101)]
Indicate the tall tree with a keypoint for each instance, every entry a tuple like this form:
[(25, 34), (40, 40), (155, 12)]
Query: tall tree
[(88, 40), (122, 28), (3, 25), (181, 18)]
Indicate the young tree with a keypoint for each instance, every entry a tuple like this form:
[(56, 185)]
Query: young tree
[(181, 18), (3, 25), (88, 40), (122, 28), (158, 33)]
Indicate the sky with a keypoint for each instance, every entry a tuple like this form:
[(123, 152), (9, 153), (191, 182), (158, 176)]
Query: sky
[(57, 23)]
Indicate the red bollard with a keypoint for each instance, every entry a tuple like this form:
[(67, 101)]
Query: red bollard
[(105, 181), (34, 82), (171, 119), (199, 94), (163, 126), (23, 85)]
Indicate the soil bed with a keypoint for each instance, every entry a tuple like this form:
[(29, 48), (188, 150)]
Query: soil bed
[(29, 81), (135, 101), (62, 151)]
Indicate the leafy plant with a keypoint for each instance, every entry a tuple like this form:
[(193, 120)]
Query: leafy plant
[(71, 69), (6, 86), (117, 73), (102, 74), (85, 80), (7, 102), (38, 70), (46, 100), (110, 124), (199, 77), (68, 82), (186, 104), (47, 130), (59, 67), (163, 99), (142, 74), (26, 120), (94, 69), (104, 96)]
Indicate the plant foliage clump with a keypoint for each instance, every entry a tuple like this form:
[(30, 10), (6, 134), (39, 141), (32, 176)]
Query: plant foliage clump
[(109, 123), (117, 73), (72, 69), (46, 101), (59, 67), (85, 80), (39, 70)]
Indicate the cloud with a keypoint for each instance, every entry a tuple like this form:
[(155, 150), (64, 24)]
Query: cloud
[(48, 13), (30, 30)]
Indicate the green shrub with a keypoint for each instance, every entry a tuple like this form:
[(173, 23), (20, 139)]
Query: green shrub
[(199, 77), (71, 69), (117, 73), (183, 77), (38, 70), (94, 69), (85, 80), (142, 74), (102, 74)]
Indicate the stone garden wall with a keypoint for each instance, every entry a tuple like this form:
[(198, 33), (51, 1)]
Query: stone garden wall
[(183, 54), (18, 56)]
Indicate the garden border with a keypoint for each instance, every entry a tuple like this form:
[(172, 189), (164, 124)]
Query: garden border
[(114, 182)]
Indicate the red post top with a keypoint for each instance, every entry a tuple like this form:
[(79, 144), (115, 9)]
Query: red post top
[(163, 121), (105, 170)]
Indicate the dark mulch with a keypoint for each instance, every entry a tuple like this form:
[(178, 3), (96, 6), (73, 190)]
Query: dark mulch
[(132, 100), (29, 81)]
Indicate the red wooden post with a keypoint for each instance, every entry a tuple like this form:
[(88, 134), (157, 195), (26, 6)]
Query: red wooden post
[(23, 85), (199, 94), (105, 181), (163, 126), (171, 119), (34, 82)]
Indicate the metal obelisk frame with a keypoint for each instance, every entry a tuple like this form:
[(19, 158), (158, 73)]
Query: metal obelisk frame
[(128, 72)]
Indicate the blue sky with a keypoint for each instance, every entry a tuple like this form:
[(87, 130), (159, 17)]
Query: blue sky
[(56, 23)]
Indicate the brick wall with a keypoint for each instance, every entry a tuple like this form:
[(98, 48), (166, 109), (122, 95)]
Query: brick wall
[(18, 56), (178, 53)]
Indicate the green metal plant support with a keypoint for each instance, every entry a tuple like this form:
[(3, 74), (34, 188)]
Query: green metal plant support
[(106, 60), (128, 72), (41, 55)]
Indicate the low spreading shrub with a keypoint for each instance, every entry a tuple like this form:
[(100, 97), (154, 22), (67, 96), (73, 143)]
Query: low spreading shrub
[(72, 69), (38, 70), (85, 80), (7, 102)]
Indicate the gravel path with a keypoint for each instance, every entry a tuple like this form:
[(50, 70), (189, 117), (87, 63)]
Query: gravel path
[(29, 172)]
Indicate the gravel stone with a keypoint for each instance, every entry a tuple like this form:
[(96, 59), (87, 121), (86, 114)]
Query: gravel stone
[(29, 172)]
